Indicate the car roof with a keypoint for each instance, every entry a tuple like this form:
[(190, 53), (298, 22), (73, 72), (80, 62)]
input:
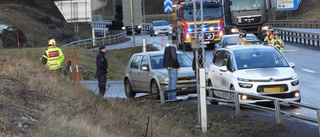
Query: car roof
[(236, 47), (154, 53), (160, 21), (237, 35)]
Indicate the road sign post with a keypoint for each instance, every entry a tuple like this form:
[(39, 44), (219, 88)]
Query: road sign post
[(282, 5)]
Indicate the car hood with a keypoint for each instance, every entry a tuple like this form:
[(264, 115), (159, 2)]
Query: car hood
[(266, 73), (161, 27), (185, 72)]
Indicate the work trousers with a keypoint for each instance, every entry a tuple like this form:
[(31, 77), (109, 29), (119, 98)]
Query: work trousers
[(102, 79)]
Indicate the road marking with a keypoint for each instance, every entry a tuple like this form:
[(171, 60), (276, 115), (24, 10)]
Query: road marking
[(307, 70)]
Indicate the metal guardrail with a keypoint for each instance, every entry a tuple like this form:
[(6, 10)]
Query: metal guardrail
[(118, 36), (295, 23), (300, 37), (276, 101)]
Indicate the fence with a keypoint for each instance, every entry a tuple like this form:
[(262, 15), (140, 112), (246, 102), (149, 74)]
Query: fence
[(295, 23), (276, 109), (114, 37), (300, 37)]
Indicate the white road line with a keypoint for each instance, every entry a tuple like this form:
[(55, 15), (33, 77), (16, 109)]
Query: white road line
[(307, 70)]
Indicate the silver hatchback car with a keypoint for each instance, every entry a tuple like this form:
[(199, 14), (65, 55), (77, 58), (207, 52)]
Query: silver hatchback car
[(145, 73)]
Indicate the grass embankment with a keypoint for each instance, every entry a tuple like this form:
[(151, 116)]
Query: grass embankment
[(117, 59), (37, 102)]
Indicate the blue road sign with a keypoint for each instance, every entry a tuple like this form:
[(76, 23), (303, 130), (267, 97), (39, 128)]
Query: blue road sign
[(167, 6), (287, 4)]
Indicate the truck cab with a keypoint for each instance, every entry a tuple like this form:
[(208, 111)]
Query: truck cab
[(248, 15)]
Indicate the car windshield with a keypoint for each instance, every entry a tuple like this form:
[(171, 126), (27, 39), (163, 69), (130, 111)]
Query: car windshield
[(209, 12), (259, 58), (243, 5), (160, 23), (157, 61)]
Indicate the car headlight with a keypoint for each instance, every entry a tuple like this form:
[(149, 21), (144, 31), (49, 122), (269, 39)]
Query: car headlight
[(245, 85), (139, 27), (295, 83), (211, 28), (244, 80), (123, 28), (188, 37), (170, 27), (264, 28), (221, 34), (234, 30)]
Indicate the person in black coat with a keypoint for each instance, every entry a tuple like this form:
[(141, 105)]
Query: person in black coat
[(170, 61), (102, 70)]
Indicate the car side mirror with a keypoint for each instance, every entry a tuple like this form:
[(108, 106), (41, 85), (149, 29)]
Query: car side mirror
[(223, 68), (292, 65), (217, 45), (145, 68)]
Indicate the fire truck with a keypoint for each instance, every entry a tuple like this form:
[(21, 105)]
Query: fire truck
[(183, 23)]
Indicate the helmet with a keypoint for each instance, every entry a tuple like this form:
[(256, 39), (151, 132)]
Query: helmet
[(242, 33), (276, 32), (52, 42), (270, 29)]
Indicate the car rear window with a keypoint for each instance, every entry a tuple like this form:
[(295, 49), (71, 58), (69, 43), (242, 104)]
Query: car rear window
[(157, 61)]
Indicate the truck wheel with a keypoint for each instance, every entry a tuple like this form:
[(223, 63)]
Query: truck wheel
[(128, 89)]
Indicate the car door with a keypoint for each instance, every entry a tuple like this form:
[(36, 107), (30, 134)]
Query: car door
[(214, 71), (226, 74), (144, 75), (134, 70)]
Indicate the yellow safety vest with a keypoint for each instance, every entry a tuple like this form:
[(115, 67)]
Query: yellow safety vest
[(54, 57), (279, 44)]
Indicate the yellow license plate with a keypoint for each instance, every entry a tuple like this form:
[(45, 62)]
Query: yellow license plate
[(274, 89)]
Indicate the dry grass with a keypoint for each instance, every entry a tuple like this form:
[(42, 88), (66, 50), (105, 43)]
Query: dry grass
[(63, 109), (117, 59)]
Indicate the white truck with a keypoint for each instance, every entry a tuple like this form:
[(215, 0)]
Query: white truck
[(136, 15)]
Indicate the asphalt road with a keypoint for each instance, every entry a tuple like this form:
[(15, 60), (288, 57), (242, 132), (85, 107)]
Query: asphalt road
[(307, 62)]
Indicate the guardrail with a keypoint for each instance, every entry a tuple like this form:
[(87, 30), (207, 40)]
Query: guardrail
[(276, 109), (300, 37), (295, 23), (118, 36)]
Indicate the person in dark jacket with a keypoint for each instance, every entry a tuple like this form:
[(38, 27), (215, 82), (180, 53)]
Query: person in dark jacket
[(102, 70), (170, 61)]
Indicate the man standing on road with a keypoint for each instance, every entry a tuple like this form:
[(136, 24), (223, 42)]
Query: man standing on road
[(102, 70), (170, 61), (53, 56)]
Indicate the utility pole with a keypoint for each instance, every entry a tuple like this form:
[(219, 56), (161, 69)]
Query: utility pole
[(200, 71), (132, 17), (143, 32)]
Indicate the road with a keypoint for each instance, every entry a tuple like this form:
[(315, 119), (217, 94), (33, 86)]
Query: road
[(307, 63)]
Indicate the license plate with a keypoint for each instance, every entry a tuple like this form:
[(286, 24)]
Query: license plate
[(274, 89)]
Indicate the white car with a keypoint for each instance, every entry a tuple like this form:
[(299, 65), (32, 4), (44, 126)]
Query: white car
[(256, 69), (160, 27)]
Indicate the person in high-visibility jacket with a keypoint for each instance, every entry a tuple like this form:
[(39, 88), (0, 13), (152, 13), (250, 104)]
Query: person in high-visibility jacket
[(53, 56), (243, 38), (278, 42), (269, 36)]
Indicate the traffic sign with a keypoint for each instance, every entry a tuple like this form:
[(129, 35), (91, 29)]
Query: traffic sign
[(287, 4), (167, 6)]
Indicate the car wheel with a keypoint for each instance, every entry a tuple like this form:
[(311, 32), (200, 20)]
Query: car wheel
[(154, 89), (211, 94), (128, 89)]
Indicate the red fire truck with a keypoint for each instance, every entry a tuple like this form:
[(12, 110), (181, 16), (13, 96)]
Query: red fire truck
[(183, 23)]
